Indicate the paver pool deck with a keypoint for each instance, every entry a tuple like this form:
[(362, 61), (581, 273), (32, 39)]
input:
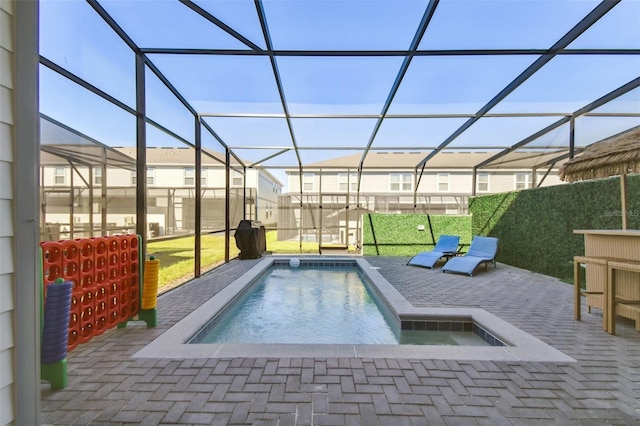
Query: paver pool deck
[(108, 386)]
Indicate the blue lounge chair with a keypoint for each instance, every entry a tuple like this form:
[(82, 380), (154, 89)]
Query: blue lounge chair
[(481, 250), (447, 246)]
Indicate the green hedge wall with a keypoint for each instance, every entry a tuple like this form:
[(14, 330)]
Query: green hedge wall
[(398, 235), (535, 227)]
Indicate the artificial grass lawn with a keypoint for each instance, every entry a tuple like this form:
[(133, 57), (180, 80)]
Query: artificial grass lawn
[(177, 257)]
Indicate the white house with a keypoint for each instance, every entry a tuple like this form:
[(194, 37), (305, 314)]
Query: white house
[(446, 174), (98, 191), (334, 200)]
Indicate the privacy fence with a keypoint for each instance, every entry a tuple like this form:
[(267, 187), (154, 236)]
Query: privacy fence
[(408, 234), (535, 227)]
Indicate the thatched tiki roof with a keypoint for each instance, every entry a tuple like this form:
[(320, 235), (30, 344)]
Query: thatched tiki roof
[(617, 155)]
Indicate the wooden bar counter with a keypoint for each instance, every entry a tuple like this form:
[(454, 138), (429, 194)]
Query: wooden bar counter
[(619, 244)]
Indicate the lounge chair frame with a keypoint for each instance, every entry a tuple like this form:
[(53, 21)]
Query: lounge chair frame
[(481, 250), (447, 247)]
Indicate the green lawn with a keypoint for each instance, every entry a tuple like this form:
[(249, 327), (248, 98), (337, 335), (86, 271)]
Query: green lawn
[(288, 247), (177, 258)]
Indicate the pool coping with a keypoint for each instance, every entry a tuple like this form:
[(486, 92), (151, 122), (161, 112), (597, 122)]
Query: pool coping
[(522, 346)]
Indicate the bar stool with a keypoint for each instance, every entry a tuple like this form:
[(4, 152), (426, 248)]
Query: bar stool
[(612, 300), (578, 291)]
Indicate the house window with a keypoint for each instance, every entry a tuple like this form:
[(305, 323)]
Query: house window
[(189, 176), (151, 175), (236, 179), (203, 178), (482, 180), (347, 180), (307, 181), (521, 181), (443, 181), (400, 182), (59, 176), (97, 175)]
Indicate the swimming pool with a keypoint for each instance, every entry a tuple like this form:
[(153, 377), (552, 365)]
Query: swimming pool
[(323, 305), (521, 346), (311, 302)]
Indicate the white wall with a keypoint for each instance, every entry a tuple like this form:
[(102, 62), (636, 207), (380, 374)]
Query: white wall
[(165, 176), (19, 233), (372, 182), (7, 279), (267, 193), (459, 182)]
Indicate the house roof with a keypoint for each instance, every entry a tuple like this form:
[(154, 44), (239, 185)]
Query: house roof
[(178, 157), (159, 156), (445, 160), (61, 145)]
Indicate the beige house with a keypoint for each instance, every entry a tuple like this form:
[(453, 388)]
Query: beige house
[(446, 174), (390, 183), (76, 197)]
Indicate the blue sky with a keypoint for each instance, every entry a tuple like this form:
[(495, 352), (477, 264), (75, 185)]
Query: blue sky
[(75, 37)]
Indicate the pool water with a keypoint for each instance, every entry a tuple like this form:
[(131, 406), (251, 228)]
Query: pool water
[(300, 305), (322, 305), (432, 337)]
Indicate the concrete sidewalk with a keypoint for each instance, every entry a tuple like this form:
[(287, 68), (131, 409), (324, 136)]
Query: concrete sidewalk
[(109, 387)]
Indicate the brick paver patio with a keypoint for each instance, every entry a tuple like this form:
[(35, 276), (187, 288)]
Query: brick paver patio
[(109, 387)]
